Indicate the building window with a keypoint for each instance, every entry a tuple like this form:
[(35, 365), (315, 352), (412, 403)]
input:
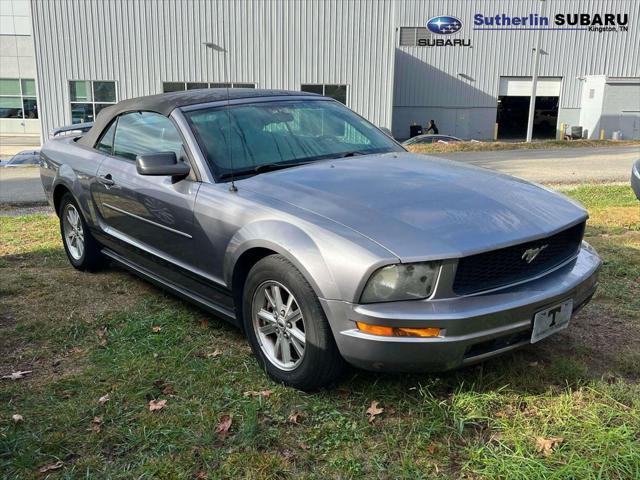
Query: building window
[(337, 92), (181, 86), (89, 97), (18, 98), (414, 36)]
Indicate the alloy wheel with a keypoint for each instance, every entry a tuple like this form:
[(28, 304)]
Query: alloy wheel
[(279, 325), (73, 232)]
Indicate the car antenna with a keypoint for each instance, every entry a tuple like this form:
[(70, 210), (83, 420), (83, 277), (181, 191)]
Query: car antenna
[(232, 187), (218, 48)]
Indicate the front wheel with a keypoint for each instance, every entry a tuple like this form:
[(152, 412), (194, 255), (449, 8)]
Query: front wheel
[(287, 328), (82, 249)]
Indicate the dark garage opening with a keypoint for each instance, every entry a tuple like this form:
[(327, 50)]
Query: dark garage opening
[(512, 117)]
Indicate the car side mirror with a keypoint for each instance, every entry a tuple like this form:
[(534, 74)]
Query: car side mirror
[(161, 164)]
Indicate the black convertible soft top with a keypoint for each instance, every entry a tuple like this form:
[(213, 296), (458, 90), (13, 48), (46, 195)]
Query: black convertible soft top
[(165, 103)]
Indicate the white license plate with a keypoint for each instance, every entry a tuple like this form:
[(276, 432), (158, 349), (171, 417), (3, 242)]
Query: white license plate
[(551, 320)]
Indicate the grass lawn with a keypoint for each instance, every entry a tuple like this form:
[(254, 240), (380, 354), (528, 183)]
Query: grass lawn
[(537, 145), (101, 347)]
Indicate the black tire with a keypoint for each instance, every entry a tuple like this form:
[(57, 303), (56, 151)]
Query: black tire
[(90, 258), (321, 364)]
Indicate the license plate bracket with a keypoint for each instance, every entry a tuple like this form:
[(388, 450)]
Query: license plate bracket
[(551, 320)]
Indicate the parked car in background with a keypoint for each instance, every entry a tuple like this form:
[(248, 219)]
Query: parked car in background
[(635, 178), (23, 159), (428, 138), (317, 234)]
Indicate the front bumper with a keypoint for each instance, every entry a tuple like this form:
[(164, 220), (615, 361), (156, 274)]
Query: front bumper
[(473, 328)]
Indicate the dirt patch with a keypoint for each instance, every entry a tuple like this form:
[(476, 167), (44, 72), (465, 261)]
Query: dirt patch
[(21, 210), (598, 335), (41, 304)]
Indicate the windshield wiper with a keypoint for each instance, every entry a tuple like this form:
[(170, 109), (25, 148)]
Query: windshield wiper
[(355, 153), (267, 167), (270, 167)]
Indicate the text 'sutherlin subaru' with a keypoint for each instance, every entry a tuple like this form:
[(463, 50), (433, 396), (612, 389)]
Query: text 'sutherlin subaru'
[(317, 234)]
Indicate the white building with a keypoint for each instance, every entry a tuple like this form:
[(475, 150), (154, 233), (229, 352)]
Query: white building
[(375, 55), (18, 92)]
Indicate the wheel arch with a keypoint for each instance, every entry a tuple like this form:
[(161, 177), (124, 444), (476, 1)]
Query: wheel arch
[(256, 241), (58, 192)]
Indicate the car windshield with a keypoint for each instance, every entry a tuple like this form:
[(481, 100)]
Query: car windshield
[(262, 136)]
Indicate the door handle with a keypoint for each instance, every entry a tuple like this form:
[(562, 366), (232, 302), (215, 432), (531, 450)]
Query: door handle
[(106, 180)]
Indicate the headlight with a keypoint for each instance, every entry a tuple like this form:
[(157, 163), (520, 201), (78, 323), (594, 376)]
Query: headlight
[(401, 282)]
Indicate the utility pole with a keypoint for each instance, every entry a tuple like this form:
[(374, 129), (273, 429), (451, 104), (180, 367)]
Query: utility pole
[(534, 83)]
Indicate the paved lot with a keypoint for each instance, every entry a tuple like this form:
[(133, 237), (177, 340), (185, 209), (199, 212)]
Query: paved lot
[(566, 165), (21, 185)]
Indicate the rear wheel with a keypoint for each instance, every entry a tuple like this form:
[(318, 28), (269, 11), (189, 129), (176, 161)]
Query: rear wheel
[(82, 249), (287, 328)]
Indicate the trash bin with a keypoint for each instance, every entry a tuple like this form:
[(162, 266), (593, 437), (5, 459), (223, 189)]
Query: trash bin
[(415, 130), (617, 135), (576, 133)]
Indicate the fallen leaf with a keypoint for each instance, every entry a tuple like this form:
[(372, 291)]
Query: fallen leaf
[(288, 454), (17, 418), (374, 410), (156, 329), (295, 417), (52, 466), (201, 475), (431, 448), (95, 425), (253, 393), (533, 364), (168, 390), (157, 405), (102, 335), (204, 323), (18, 375), (545, 445), (304, 446), (164, 387), (214, 354), (103, 399), (223, 427)]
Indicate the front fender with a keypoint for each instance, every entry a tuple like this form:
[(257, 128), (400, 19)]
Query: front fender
[(289, 241)]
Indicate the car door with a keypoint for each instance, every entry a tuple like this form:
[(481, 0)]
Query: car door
[(146, 214)]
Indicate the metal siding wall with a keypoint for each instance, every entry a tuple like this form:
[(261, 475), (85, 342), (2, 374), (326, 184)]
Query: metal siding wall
[(429, 76), (274, 43)]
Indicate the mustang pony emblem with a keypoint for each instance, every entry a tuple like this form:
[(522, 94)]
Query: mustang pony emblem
[(530, 254)]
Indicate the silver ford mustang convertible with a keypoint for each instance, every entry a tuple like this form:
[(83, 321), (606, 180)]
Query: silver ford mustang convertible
[(317, 234)]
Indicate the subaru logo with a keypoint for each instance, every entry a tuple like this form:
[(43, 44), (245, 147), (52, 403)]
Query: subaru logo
[(444, 25)]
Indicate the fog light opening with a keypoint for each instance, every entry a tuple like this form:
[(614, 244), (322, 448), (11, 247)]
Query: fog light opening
[(398, 331)]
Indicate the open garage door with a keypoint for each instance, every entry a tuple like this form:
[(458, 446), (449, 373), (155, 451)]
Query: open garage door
[(513, 107)]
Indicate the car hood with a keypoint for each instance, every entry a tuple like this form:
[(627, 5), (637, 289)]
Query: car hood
[(420, 207)]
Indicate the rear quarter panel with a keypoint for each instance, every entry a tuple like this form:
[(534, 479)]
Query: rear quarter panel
[(63, 162)]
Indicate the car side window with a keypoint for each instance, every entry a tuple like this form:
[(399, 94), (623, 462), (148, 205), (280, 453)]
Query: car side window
[(138, 133), (105, 144)]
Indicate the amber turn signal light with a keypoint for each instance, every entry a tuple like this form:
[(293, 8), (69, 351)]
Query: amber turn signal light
[(398, 331)]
